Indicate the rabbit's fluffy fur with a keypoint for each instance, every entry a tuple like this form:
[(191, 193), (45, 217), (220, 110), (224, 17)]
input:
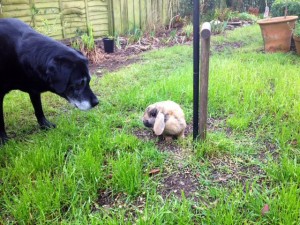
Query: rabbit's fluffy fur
[(166, 118)]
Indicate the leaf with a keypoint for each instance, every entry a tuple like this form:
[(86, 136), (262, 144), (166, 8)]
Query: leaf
[(265, 209), (154, 172)]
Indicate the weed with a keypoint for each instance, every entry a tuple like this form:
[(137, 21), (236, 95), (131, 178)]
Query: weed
[(188, 30), (127, 174), (218, 27), (134, 36), (86, 44)]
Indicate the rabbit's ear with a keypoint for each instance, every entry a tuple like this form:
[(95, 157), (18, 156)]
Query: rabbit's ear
[(159, 124)]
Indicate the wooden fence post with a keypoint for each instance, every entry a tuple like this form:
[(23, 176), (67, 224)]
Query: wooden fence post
[(205, 48)]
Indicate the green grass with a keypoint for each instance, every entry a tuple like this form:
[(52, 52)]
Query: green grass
[(251, 156)]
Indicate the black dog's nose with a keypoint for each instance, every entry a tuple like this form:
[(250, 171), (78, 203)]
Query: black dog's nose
[(94, 101)]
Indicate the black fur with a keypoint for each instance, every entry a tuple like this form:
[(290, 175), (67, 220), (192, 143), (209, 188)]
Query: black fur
[(34, 63)]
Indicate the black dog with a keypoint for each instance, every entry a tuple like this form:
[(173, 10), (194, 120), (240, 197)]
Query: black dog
[(34, 63)]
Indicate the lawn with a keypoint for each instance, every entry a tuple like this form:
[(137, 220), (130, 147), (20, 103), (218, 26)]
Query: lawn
[(104, 167)]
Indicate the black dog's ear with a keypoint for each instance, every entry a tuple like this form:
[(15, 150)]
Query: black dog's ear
[(58, 73), (78, 51)]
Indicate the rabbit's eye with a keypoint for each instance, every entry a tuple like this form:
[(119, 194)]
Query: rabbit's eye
[(153, 113)]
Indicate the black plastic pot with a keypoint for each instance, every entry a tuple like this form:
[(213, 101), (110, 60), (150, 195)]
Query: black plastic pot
[(108, 45)]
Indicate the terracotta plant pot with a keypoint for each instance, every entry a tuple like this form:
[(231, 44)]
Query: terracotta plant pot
[(297, 44), (277, 33), (108, 45)]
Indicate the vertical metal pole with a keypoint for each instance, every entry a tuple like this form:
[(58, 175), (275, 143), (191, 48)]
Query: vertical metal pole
[(196, 45)]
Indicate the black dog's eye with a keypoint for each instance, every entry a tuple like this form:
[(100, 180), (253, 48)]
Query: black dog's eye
[(80, 85)]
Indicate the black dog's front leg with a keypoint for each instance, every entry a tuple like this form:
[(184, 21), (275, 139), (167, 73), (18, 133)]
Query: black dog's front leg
[(3, 135), (38, 110)]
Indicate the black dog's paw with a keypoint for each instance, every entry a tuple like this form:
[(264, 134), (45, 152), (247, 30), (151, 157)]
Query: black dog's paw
[(3, 138), (45, 124)]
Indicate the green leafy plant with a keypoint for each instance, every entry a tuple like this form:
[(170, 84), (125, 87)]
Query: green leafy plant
[(218, 27), (188, 30), (109, 36), (246, 16), (223, 14), (278, 8), (86, 44), (135, 35), (296, 30), (88, 39), (118, 41)]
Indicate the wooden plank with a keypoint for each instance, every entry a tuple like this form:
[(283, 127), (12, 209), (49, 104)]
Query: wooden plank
[(87, 16), (45, 11), (71, 19), (124, 16), (43, 1), (46, 5), (100, 33), (62, 19), (143, 14), (20, 7), (98, 9), (25, 19), (71, 5), (131, 15), (98, 15), (17, 14), (49, 32), (117, 16), (100, 25), (137, 12), (12, 2), (48, 17), (149, 19), (159, 10), (110, 18), (97, 3), (165, 19)]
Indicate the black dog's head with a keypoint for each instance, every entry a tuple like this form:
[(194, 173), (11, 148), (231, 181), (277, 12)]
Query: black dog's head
[(68, 76)]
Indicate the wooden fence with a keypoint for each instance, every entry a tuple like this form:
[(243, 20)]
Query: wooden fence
[(62, 19)]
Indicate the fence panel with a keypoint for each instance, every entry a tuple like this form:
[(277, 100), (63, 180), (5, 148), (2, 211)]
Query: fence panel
[(62, 19), (142, 14)]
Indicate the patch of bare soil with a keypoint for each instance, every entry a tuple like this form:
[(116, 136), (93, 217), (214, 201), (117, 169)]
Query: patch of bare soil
[(113, 61), (221, 48), (162, 145), (107, 201), (226, 170), (179, 184)]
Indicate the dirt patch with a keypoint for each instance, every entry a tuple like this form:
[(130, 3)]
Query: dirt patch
[(229, 171), (223, 46), (162, 145), (179, 184), (113, 61), (147, 134)]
